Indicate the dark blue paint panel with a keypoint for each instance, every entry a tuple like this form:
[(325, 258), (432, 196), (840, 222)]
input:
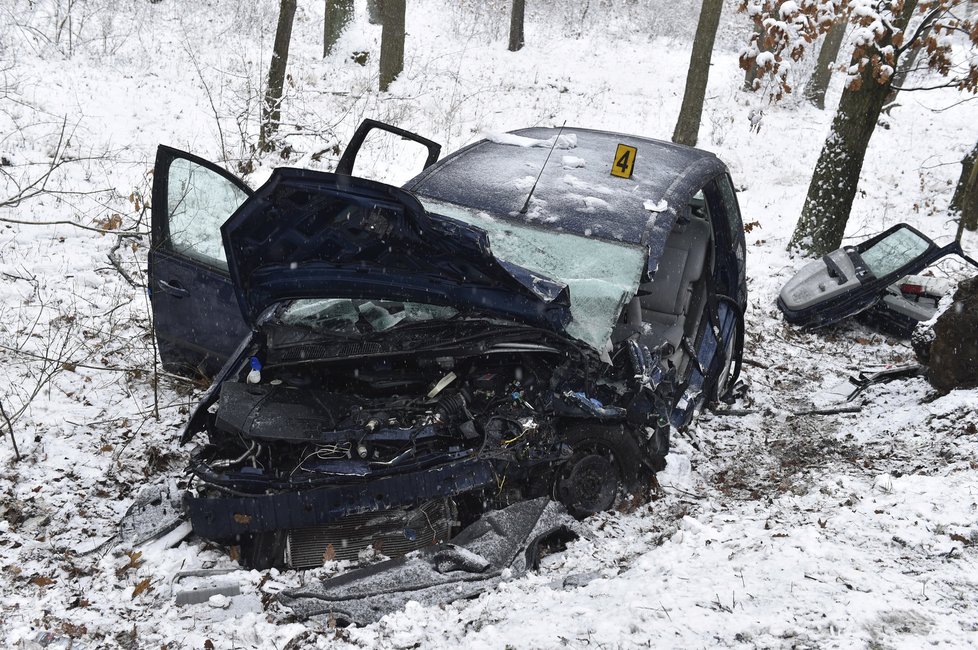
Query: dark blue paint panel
[(309, 234), (198, 331), (196, 317)]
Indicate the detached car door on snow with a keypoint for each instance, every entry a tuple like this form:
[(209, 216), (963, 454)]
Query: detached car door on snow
[(854, 279), (198, 320)]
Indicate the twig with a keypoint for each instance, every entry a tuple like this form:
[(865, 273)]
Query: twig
[(38, 184), (71, 223), (735, 412), (117, 263), (830, 411), (666, 486), (41, 357), (210, 100), (10, 429)]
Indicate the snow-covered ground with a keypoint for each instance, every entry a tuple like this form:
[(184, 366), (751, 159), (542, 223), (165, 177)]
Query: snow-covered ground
[(770, 529)]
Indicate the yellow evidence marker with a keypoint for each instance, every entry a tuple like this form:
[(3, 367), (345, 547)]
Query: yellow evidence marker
[(624, 161)]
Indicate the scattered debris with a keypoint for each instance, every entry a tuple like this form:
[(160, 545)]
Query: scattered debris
[(156, 511), (198, 593)]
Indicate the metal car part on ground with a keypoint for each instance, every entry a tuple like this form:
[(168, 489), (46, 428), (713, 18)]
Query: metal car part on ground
[(399, 361), (876, 280), (502, 545)]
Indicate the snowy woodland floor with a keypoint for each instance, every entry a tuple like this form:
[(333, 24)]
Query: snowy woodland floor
[(771, 530)]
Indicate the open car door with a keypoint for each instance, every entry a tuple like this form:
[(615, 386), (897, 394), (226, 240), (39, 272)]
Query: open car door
[(198, 322), (853, 279)]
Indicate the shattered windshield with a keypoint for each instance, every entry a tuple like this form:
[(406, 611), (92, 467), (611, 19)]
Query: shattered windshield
[(894, 252), (353, 316), (602, 276)]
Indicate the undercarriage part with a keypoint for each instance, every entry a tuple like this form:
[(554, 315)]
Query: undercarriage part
[(393, 533), (503, 544)]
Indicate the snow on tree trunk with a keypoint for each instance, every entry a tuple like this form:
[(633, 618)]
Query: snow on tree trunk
[(819, 81), (516, 25), (688, 124), (833, 186), (391, 41), (271, 112), (338, 16)]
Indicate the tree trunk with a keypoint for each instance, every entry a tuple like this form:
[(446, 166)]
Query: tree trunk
[(374, 16), (965, 199), (688, 125), (969, 201), (271, 112), (967, 164), (391, 41), (819, 81), (516, 25), (834, 182), (338, 16)]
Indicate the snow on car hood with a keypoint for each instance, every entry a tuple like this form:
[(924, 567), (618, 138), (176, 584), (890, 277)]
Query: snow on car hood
[(307, 234)]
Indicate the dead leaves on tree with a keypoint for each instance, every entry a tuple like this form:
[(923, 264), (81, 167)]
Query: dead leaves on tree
[(785, 31)]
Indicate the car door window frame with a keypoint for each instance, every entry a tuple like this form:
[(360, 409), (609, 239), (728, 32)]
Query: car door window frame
[(162, 238)]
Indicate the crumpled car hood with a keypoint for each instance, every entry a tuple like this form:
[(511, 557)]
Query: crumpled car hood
[(308, 234)]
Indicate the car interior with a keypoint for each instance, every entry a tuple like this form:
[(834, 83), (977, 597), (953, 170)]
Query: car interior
[(671, 305)]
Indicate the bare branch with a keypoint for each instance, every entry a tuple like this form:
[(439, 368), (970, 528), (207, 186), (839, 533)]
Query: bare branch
[(72, 223), (41, 357), (10, 430), (950, 84), (922, 28), (113, 256)]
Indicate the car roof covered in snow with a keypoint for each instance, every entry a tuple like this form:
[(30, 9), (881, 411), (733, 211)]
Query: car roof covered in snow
[(577, 192)]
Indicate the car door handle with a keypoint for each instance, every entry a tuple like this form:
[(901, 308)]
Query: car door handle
[(173, 288)]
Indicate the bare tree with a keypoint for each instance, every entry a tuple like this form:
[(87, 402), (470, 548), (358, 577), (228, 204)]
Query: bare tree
[(391, 41), (818, 83), (688, 124), (516, 25), (338, 16), (271, 112)]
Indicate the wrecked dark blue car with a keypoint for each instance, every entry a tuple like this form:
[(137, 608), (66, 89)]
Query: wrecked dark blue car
[(517, 321)]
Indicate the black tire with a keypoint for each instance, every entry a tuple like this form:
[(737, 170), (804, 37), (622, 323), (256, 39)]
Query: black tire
[(604, 468)]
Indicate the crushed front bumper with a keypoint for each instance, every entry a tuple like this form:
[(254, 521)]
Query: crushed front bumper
[(225, 518)]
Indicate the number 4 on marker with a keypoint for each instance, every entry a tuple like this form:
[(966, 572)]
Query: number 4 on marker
[(624, 161)]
